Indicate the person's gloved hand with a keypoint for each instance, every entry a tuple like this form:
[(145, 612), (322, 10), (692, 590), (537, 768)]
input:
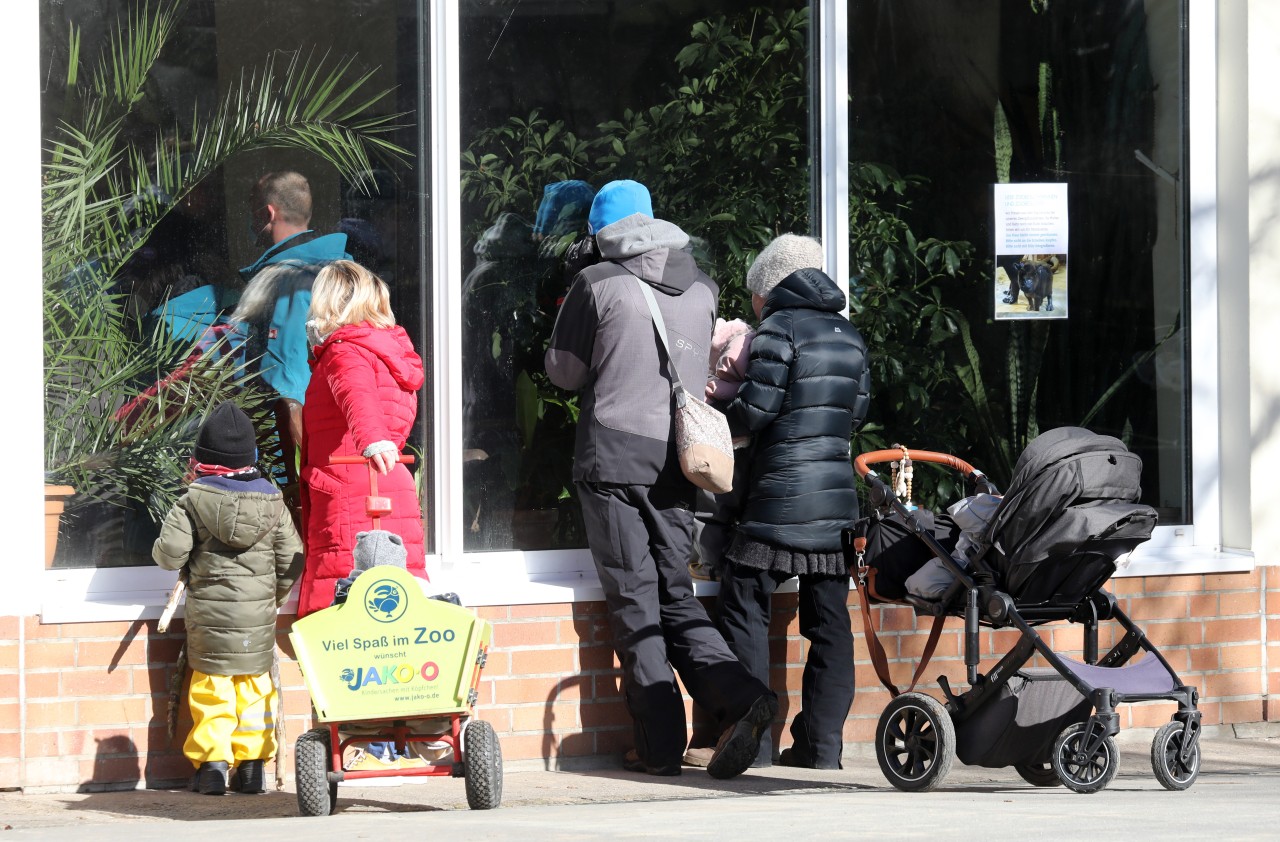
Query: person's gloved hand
[(382, 455)]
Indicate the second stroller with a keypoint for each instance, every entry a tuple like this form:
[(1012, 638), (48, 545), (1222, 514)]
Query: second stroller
[(1051, 544)]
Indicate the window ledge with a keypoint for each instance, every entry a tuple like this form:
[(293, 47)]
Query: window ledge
[(129, 594), (1182, 561)]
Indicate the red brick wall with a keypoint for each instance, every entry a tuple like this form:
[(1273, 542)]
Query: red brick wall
[(97, 693), (1271, 578)]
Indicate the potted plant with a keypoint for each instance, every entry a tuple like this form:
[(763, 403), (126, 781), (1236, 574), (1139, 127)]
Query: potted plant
[(103, 194)]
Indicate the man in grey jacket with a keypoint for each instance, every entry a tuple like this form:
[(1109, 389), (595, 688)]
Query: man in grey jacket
[(636, 503)]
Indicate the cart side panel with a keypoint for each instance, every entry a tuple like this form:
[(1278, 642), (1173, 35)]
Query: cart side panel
[(388, 651)]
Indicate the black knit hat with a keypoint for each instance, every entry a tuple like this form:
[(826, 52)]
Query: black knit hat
[(227, 438)]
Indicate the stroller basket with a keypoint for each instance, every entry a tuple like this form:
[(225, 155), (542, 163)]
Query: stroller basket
[(1020, 724)]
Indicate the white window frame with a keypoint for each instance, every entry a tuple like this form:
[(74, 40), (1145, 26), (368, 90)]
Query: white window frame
[(1197, 547), (516, 577)]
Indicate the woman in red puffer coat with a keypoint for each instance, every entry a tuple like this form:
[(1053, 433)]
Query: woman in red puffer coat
[(362, 400)]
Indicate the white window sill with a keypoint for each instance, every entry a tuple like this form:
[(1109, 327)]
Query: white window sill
[(139, 593), (1181, 561)]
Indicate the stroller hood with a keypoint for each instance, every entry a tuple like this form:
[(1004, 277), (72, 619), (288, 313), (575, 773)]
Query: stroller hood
[(1071, 510)]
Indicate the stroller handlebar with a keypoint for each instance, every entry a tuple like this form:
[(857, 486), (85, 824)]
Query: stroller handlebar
[(862, 464)]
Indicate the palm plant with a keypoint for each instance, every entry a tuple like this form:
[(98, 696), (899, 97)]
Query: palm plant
[(102, 199)]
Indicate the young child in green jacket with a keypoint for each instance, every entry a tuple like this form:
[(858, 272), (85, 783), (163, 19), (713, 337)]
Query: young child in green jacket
[(232, 532)]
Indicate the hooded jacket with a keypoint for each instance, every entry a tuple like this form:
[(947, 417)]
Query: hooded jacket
[(604, 344), (807, 388), (243, 555), (363, 389), (279, 334)]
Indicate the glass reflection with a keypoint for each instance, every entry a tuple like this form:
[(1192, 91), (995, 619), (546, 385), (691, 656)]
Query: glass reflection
[(960, 96), (182, 278), (706, 103)]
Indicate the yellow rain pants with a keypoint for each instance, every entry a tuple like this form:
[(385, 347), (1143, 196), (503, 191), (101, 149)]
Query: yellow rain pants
[(234, 718)]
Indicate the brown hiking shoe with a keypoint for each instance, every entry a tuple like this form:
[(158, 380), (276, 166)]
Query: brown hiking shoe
[(740, 744), (700, 757)]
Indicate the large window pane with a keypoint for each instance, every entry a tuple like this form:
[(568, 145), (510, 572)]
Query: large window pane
[(202, 241), (707, 103), (965, 95)]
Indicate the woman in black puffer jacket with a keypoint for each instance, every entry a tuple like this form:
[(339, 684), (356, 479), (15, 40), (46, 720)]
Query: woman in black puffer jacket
[(806, 390)]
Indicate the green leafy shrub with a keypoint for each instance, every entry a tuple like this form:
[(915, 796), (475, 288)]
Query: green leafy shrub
[(726, 157)]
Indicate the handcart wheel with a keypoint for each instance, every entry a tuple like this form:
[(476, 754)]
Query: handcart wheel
[(915, 742), (482, 759), (1170, 771), (311, 755), (1038, 774), (1081, 770)]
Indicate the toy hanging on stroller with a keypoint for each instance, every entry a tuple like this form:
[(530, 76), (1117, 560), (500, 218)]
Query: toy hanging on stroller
[(1053, 541)]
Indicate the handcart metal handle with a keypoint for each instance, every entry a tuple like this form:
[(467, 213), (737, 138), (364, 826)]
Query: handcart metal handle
[(375, 506)]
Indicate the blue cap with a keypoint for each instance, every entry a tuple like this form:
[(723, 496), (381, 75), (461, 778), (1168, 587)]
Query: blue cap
[(618, 200), (563, 206)]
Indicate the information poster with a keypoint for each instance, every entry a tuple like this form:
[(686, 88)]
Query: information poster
[(1031, 251)]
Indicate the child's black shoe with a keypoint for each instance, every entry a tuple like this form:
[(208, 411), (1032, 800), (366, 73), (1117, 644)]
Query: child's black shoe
[(211, 778), (250, 777)]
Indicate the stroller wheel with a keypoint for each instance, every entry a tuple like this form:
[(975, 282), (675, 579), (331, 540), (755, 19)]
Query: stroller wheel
[(1038, 774), (1081, 767), (915, 742), (1172, 772)]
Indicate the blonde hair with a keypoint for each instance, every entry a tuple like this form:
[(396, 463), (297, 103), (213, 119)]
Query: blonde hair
[(346, 293)]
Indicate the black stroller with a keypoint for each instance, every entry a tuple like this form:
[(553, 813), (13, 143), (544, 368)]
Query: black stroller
[(1052, 542)]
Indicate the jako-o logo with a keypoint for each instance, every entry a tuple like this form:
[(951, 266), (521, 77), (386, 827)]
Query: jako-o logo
[(361, 677), (385, 602)]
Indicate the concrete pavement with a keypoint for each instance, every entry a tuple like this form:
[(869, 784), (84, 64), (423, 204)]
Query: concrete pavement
[(1236, 797)]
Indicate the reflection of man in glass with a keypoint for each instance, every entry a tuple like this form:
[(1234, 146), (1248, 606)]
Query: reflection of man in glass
[(563, 214), (563, 209), (637, 505), (275, 302), (497, 310), (514, 456)]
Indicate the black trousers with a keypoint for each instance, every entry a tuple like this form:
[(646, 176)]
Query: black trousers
[(716, 515), (826, 690), (641, 539)]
